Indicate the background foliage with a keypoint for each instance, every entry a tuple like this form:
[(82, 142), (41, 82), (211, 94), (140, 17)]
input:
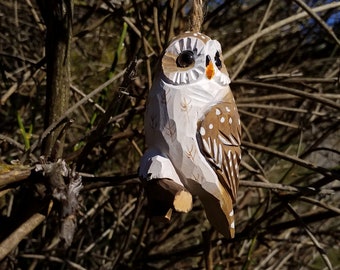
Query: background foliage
[(283, 57)]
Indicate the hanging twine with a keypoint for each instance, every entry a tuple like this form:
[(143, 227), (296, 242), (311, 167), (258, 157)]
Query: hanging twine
[(197, 16)]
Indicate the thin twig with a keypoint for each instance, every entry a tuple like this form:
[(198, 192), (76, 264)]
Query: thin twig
[(320, 21), (315, 97), (156, 27), (7, 245), (52, 259), (74, 107), (18, 145), (322, 252), (269, 119), (320, 204), (276, 26), (276, 186), (279, 108), (100, 108), (245, 58), (292, 159), (316, 216)]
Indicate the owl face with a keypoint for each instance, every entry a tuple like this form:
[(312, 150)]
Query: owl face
[(192, 57)]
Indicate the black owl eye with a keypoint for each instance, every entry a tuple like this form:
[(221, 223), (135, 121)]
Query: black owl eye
[(185, 59), (218, 61)]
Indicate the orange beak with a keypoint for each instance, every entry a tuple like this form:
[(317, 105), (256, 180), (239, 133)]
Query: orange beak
[(209, 70)]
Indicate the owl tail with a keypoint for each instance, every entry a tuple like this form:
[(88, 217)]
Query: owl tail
[(218, 211), (164, 190)]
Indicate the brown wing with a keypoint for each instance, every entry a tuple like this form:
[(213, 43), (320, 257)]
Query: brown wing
[(219, 134)]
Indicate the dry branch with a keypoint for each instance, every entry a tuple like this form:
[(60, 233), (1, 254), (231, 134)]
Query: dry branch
[(276, 26), (315, 97), (7, 245)]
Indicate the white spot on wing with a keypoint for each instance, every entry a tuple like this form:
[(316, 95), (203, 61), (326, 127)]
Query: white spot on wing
[(232, 225), (211, 126), (202, 131), (231, 212), (222, 119), (230, 120), (218, 112)]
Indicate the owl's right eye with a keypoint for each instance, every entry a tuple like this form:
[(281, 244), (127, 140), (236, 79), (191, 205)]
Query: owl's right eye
[(185, 59)]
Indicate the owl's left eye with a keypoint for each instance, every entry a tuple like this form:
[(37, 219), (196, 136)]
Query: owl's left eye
[(185, 59), (218, 61)]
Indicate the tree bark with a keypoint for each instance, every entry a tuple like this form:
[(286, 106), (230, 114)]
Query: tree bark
[(58, 19)]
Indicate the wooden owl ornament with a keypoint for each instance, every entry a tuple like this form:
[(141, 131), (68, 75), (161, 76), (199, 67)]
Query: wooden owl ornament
[(193, 129)]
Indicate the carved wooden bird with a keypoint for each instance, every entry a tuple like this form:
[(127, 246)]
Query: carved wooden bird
[(192, 127)]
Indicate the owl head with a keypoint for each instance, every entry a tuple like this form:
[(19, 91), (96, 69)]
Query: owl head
[(192, 57)]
